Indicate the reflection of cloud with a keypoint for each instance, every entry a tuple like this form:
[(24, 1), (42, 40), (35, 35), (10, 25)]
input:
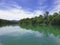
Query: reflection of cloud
[(1, 44), (18, 34), (17, 31)]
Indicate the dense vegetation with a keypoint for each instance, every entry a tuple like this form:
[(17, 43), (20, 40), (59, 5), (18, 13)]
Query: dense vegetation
[(48, 24), (45, 19)]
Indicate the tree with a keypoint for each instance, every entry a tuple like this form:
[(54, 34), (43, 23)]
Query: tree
[(46, 17), (46, 14)]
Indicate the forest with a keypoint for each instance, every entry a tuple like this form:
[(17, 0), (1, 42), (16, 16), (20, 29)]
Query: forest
[(46, 19)]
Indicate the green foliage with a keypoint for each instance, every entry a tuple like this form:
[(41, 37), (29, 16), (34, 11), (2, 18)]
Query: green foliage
[(42, 20), (56, 20)]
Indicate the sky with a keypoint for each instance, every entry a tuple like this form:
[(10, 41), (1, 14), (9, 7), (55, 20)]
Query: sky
[(19, 9)]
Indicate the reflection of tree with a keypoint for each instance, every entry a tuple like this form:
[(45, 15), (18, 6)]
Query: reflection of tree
[(44, 29)]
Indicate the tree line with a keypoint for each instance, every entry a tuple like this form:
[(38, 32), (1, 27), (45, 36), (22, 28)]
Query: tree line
[(46, 19), (6, 22)]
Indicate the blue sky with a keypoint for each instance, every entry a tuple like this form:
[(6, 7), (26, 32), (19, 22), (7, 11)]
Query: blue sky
[(19, 9)]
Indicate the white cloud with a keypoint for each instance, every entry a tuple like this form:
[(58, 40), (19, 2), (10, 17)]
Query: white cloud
[(56, 6), (16, 14)]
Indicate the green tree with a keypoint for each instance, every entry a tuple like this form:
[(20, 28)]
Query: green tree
[(46, 17)]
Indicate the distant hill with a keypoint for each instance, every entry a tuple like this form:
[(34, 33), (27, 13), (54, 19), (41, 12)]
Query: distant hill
[(3, 21)]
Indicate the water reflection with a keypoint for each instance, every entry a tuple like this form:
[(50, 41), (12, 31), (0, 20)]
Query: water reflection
[(14, 35), (47, 29)]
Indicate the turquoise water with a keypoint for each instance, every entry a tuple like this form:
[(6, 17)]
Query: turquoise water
[(15, 35)]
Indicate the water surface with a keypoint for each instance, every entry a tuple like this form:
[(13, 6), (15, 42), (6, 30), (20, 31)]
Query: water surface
[(15, 35)]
